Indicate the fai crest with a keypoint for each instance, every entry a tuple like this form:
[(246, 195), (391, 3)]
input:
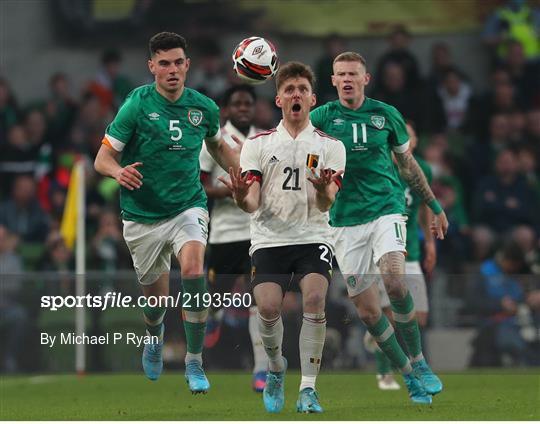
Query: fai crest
[(195, 117), (351, 281), (378, 121)]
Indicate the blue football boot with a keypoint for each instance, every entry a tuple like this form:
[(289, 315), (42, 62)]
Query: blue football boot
[(416, 390), (196, 379), (431, 382), (274, 390), (308, 401), (152, 360)]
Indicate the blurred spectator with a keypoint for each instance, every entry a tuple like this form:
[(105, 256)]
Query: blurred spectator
[(35, 125), (393, 90), (334, 44), (513, 21), (454, 95), (441, 62), (528, 241), (398, 52), (60, 109), (9, 112), (13, 315), (58, 259), (505, 200), (208, 76), (525, 75), (90, 124), (17, 157), (109, 252), (21, 213), (265, 114), (483, 243), (110, 86), (497, 299), (533, 129), (516, 123)]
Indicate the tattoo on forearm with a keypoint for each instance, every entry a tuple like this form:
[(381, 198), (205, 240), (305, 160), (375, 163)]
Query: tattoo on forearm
[(414, 176)]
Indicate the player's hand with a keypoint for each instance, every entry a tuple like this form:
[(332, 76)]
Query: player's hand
[(325, 179), (129, 177), (439, 225), (430, 257), (238, 184)]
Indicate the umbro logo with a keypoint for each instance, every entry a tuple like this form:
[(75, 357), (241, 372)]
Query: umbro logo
[(154, 116), (338, 121), (272, 160)]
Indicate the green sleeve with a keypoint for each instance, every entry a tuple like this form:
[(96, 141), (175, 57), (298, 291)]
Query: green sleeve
[(213, 120), (123, 126), (398, 133), (317, 117)]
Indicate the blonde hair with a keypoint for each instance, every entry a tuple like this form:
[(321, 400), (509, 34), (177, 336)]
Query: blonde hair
[(350, 57)]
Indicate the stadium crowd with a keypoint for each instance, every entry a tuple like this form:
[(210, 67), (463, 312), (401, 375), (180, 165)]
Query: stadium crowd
[(483, 148)]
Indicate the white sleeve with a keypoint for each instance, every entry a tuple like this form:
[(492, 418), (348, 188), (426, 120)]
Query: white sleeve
[(206, 160), (215, 138), (336, 156), (250, 156)]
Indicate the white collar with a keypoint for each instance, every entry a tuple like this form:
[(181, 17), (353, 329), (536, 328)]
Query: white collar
[(305, 134)]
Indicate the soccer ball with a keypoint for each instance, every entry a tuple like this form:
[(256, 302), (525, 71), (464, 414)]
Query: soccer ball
[(255, 60)]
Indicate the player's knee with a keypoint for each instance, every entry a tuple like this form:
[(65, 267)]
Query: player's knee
[(192, 268), (314, 301), (396, 288), (369, 316), (269, 310)]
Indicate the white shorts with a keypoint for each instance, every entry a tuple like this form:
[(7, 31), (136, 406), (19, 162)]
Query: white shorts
[(151, 245), (359, 248)]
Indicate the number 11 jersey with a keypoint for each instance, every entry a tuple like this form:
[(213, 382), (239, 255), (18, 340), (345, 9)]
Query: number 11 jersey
[(287, 213)]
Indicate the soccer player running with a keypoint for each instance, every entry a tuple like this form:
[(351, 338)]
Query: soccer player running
[(418, 214), (369, 213), (292, 175), (158, 132), (229, 237)]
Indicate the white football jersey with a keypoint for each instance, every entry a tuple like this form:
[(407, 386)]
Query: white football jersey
[(287, 213), (228, 223)]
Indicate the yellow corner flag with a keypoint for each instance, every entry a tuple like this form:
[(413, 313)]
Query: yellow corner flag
[(68, 227)]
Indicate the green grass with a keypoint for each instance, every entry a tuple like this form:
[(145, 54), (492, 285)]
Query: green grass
[(472, 396)]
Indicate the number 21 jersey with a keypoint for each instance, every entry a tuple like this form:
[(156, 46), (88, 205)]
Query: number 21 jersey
[(287, 213)]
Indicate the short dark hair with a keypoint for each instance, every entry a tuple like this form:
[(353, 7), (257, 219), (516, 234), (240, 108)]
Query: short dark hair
[(294, 70), (245, 88), (166, 41)]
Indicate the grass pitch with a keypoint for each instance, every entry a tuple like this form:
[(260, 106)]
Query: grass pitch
[(480, 395)]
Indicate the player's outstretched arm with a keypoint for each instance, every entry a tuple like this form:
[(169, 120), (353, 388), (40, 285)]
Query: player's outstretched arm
[(106, 163), (326, 187), (246, 190), (415, 178), (225, 155)]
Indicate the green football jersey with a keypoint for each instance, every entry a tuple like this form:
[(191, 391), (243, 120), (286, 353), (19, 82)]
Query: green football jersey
[(413, 201), (371, 184), (167, 138)]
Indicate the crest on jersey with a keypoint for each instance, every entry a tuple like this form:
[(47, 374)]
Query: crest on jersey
[(351, 281), (195, 117), (378, 121), (312, 161)]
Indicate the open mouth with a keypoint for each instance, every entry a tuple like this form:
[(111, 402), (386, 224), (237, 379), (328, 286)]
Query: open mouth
[(173, 79), (296, 107), (347, 88)]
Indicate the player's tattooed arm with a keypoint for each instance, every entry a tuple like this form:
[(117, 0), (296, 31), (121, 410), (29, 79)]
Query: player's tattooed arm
[(414, 176)]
